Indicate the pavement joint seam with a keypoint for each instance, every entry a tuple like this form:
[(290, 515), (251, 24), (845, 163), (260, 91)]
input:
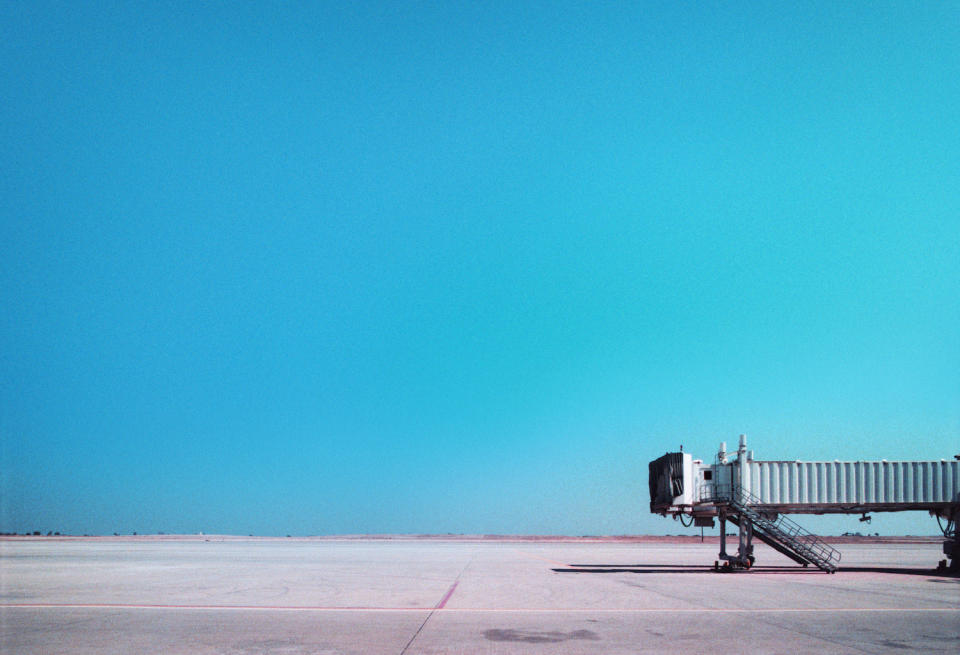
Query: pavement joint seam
[(439, 606)]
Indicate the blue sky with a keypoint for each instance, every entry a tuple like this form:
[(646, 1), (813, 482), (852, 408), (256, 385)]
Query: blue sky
[(434, 267)]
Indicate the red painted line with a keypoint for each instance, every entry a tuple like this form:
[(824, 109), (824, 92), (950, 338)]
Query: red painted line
[(443, 601), (151, 606)]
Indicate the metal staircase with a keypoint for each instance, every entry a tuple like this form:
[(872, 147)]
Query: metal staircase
[(776, 530)]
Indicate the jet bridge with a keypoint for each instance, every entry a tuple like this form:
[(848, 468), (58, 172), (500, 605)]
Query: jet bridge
[(757, 495)]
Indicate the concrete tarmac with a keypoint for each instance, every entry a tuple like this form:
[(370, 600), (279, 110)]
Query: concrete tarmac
[(405, 597)]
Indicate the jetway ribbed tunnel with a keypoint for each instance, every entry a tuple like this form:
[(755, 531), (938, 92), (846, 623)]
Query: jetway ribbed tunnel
[(757, 495)]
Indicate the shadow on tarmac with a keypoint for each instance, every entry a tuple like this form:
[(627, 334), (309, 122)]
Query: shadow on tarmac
[(933, 573), (792, 570), (670, 568)]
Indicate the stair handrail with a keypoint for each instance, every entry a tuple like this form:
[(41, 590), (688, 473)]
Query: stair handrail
[(815, 545), (799, 538)]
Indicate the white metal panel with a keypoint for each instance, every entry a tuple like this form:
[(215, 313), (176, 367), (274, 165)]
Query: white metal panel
[(813, 489), (853, 483), (908, 490), (822, 479), (793, 470), (874, 485), (784, 482), (687, 497), (801, 472), (827, 480), (887, 481), (955, 487), (946, 481), (896, 482), (764, 485)]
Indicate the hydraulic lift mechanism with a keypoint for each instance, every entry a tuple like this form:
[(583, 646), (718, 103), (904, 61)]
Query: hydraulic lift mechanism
[(757, 495)]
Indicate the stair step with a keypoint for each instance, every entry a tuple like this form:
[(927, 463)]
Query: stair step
[(786, 536)]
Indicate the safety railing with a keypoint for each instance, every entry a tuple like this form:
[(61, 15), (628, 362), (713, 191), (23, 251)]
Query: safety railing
[(775, 525)]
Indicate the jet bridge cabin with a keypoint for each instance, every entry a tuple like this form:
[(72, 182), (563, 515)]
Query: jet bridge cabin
[(756, 496)]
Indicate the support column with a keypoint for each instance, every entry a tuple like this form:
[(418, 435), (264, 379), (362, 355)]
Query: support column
[(744, 556), (951, 542), (723, 536)]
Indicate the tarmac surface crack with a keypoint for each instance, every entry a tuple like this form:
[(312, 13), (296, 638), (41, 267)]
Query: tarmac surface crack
[(440, 605)]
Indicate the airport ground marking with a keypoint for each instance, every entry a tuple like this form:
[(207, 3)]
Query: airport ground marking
[(443, 601), (544, 610), (439, 606)]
